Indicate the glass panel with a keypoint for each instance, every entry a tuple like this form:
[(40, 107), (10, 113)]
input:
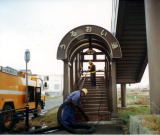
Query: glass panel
[(88, 57), (100, 57)]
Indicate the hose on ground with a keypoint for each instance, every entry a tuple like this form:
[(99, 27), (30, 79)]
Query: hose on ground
[(43, 130), (75, 129), (78, 128)]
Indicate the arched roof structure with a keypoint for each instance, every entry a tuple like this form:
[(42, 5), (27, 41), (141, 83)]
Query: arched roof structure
[(88, 36)]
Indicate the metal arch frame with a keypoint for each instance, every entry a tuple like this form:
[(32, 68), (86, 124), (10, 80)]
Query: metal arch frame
[(74, 34), (95, 42), (84, 46)]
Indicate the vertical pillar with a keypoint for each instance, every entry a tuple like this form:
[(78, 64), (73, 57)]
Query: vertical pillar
[(114, 89), (66, 81), (152, 10), (123, 95), (72, 76), (78, 67), (76, 74)]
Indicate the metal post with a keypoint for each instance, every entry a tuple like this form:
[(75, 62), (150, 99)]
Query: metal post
[(27, 59), (114, 89), (27, 118), (26, 83), (123, 95)]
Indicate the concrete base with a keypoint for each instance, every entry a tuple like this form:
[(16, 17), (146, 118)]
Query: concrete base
[(136, 126), (115, 121), (100, 129)]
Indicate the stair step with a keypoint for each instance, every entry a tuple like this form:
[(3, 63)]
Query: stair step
[(96, 102), (97, 112), (95, 109), (94, 105), (96, 92), (96, 95), (96, 88), (89, 82), (94, 98), (95, 117), (93, 87), (99, 94), (96, 82)]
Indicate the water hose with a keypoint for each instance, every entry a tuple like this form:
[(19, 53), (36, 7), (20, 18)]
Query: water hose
[(79, 128)]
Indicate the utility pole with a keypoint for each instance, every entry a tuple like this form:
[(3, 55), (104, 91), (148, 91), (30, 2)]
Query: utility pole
[(27, 59)]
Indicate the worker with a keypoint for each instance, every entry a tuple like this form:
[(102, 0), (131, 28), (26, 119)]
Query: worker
[(92, 70), (68, 115)]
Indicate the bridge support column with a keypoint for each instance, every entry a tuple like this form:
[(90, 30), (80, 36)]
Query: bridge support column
[(114, 89), (78, 65), (76, 76), (71, 76), (66, 81), (123, 95), (152, 10)]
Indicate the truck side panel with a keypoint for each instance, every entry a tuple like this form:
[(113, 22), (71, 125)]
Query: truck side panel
[(12, 89)]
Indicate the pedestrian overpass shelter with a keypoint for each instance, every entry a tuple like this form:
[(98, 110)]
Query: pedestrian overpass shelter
[(124, 52)]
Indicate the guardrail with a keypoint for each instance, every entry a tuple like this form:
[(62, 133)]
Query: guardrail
[(14, 111), (84, 78)]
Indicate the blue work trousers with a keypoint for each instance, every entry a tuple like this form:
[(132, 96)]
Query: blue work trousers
[(68, 115)]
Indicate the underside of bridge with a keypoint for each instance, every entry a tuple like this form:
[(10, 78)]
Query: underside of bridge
[(129, 27), (135, 24)]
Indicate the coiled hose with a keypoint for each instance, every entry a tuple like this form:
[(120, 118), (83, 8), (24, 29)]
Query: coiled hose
[(75, 129), (78, 128)]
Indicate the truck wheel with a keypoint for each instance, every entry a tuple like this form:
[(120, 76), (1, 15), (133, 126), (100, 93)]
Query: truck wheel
[(7, 118), (38, 110)]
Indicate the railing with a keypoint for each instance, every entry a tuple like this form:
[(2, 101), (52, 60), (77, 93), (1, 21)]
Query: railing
[(84, 78), (14, 111), (98, 72)]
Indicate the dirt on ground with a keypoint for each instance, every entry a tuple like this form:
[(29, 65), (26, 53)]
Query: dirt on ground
[(49, 119)]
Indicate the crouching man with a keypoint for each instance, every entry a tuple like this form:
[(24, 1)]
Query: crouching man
[(68, 115)]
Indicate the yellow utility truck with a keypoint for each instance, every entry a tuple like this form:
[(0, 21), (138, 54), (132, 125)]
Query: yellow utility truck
[(14, 94)]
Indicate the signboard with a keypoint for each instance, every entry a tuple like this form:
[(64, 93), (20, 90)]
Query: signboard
[(78, 34), (9, 70), (27, 56)]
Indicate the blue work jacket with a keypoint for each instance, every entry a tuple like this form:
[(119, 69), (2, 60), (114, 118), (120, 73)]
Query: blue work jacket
[(68, 115)]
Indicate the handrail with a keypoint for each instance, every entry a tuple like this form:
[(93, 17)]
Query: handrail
[(84, 78), (80, 81)]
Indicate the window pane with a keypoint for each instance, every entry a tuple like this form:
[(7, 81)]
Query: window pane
[(88, 57), (100, 57)]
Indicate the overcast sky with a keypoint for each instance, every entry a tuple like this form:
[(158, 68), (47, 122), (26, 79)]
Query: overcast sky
[(39, 25)]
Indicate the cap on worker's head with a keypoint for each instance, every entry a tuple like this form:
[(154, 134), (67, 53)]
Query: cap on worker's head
[(85, 91)]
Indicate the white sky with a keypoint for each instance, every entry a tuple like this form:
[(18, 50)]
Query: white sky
[(39, 25)]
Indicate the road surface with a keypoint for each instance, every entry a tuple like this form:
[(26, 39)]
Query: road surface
[(49, 104)]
